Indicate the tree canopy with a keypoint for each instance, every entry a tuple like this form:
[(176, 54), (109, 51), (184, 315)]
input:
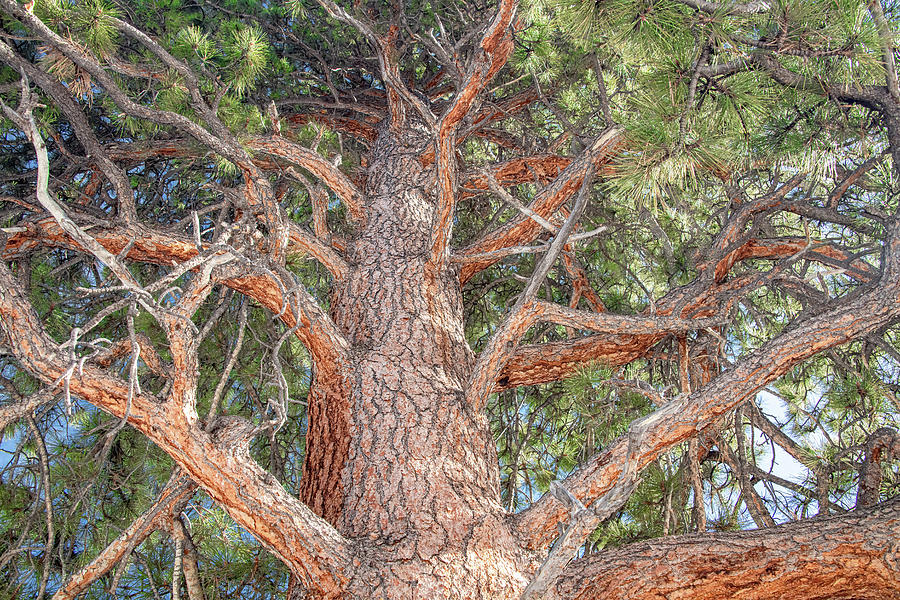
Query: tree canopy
[(669, 229)]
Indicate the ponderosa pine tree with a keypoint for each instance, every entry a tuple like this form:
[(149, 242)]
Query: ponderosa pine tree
[(449, 300)]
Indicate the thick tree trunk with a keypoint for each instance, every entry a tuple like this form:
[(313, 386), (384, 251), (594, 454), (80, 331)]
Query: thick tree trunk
[(395, 458)]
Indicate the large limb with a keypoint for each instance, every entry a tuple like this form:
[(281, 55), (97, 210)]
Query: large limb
[(540, 168), (534, 364), (683, 417), (553, 361), (218, 461), (850, 556), (315, 164), (22, 406), (523, 314), (636, 333)]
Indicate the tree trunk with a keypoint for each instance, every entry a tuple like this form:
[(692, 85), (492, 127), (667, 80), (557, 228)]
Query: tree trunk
[(395, 457)]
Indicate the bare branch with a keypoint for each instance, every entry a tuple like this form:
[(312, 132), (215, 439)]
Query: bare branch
[(523, 230), (48, 503), (219, 462), (524, 313)]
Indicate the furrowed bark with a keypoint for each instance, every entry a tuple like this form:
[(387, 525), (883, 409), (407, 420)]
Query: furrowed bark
[(395, 456), (882, 444), (837, 558), (682, 418)]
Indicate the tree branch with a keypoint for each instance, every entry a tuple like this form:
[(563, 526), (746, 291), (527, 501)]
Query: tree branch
[(386, 60), (326, 344), (886, 34), (494, 50), (171, 500), (619, 324), (683, 417), (883, 443), (850, 556), (553, 361), (257, 191), (79, 122), (315, 164), (524, 313), (729, 8), (219, 462)]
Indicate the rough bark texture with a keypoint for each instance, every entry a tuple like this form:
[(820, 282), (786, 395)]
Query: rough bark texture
[(396, 459), (839, 558)]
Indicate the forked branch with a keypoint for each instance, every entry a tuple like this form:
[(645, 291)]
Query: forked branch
[(492, 52)]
